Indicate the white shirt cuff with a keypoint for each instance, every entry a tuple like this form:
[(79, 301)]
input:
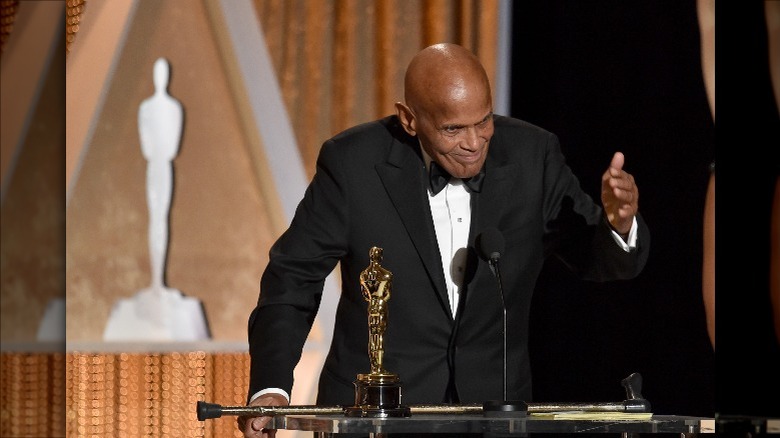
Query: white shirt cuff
[(631, 244), (270, 391)]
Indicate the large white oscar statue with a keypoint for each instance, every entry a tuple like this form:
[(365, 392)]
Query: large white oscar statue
[(158, 312)]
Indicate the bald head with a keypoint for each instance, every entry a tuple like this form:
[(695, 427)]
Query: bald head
[(444, 73), (449, 108)]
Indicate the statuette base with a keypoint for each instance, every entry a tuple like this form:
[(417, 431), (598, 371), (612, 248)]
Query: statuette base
[(377, 395)]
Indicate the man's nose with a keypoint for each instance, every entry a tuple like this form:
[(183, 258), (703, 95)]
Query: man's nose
[(472, 138)]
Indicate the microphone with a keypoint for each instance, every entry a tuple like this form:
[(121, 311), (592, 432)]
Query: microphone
[(490, 244)]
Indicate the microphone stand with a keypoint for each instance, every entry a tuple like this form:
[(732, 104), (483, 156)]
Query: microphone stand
[(494, 267), (504, 407)]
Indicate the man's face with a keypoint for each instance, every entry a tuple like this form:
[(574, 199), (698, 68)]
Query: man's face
[(457, 134)]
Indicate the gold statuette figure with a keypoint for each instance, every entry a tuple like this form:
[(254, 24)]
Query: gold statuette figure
[(378, 393), (376, 283)]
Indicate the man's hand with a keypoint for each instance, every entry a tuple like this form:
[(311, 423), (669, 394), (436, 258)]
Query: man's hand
[(619, 195), (254, 427)]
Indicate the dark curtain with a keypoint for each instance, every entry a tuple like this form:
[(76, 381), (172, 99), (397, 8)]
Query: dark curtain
[(612, 76)]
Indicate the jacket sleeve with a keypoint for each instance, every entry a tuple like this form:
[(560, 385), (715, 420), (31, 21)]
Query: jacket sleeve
[(576, 228), (292, 283)]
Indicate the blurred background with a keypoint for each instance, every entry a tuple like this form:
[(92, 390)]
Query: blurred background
[(262, 84)]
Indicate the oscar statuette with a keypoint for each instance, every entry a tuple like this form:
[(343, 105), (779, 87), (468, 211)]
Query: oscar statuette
[(378, 393)]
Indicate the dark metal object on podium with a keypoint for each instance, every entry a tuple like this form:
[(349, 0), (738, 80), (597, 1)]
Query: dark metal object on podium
[(635, 402), (505, 408)]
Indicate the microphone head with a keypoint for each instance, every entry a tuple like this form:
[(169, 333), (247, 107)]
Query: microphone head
[(490, 244)]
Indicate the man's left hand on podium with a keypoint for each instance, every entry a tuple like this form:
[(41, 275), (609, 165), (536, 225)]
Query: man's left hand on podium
[(254, 427)]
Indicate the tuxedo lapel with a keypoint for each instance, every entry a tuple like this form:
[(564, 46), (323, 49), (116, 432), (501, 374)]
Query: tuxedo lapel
[(488, 205), (404, 178)]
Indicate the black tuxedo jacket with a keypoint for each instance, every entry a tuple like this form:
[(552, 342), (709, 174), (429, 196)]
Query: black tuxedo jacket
[(370, 190)]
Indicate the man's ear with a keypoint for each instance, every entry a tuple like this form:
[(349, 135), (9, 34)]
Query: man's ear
[(406, 117)]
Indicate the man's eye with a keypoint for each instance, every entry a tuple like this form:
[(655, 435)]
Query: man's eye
[(451, 130), (486, 121)]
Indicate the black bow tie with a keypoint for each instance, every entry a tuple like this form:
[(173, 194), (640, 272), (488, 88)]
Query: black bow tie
[(439, 178)]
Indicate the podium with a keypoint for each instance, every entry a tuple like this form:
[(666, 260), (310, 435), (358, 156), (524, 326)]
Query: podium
[(379, 412), (332, 425)]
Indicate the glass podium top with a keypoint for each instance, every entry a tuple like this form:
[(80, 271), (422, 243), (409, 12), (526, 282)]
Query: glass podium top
[(504, 426)]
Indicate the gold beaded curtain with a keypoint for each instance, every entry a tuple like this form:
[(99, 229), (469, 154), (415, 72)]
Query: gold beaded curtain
[(32, 394), (150, 394), (72, 19), (341, 62), (8, 9)]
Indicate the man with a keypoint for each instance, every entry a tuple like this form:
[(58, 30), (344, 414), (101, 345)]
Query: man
[(372, 188)]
